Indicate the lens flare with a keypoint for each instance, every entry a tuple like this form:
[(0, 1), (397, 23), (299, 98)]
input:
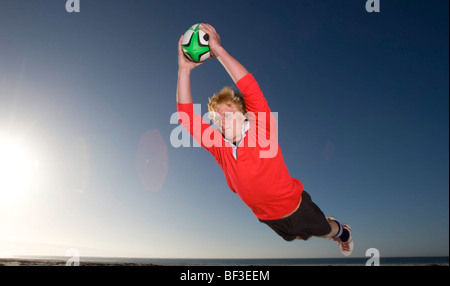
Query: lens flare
[(151, 160)]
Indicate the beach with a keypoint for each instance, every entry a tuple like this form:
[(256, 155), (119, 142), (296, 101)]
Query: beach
[(51, 262), (62, 262)]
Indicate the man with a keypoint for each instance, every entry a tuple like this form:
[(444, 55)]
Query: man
[(244, 148)]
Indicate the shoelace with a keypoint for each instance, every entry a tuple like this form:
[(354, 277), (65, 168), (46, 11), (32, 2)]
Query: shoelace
[(345, 246)]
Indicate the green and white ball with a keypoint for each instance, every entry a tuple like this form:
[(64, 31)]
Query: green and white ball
[(195, 44)]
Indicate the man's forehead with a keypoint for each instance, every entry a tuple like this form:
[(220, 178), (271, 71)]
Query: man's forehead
[(223, 108)]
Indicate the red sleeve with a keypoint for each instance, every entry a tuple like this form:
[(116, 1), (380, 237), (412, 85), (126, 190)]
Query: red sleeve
[(256, 106), (253, 96), (203, 133)]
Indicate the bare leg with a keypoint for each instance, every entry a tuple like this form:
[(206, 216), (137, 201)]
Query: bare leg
[(334, 230)]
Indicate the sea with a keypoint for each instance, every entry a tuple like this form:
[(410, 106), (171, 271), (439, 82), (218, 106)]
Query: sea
[(356, 261)]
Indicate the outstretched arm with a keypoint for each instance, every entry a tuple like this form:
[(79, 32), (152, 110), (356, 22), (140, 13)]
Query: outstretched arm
[(192, 122), (184, 76), (231, 65)]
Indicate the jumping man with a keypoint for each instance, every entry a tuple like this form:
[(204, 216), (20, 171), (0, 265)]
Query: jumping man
[(245, 146)]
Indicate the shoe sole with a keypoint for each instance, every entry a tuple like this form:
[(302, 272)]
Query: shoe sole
[(350, 243)]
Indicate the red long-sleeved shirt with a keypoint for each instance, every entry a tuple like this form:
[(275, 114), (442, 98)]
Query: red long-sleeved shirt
[(256, 172)]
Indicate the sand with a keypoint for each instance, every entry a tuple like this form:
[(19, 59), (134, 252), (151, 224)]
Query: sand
[(45, 262)]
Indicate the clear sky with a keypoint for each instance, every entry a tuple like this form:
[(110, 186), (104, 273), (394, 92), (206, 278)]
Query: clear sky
[(86, 100)]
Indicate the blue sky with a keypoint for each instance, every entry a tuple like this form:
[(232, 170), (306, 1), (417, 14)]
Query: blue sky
[(362, 102)]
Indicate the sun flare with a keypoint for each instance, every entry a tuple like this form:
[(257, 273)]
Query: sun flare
[(16, 171)]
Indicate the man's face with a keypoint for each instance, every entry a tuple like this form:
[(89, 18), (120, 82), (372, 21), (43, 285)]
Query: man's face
[(230, 121)]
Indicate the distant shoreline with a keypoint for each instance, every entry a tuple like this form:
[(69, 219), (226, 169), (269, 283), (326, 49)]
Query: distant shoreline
[(56, 262)]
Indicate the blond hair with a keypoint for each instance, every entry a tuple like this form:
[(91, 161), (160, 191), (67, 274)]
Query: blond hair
[(226, 96)]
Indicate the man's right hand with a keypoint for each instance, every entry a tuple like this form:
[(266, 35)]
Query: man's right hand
[(214, 38)]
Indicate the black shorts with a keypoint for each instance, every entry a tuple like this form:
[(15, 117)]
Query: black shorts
[(307, 221)]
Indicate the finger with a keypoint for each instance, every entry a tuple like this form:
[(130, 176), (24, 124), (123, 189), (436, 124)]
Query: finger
[(179, 44), (210, 27), (207, 27), (210, 33), (204, 29)]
